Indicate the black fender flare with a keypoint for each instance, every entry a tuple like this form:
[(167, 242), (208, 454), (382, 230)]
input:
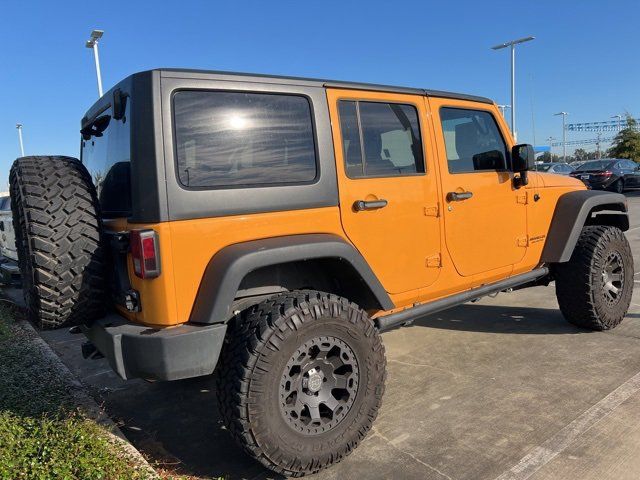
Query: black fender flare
[(573, 211), (228, 267)]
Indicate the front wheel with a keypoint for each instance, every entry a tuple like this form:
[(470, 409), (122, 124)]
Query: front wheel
[(301, 380), (594, 287)]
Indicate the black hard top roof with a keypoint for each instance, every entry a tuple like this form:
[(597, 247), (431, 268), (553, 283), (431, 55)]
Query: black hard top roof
[(214, 74)]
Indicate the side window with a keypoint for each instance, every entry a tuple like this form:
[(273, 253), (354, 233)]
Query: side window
[(380, 139), (473, 141), (231, 139)]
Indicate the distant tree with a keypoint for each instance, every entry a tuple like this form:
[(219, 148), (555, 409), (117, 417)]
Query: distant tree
[(545, 157), (580, 154), (626, 144)]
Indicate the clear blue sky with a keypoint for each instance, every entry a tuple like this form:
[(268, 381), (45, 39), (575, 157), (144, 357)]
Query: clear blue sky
[(584, 60)]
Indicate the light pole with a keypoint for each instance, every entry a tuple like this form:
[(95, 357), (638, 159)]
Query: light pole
[(513, 44), (564, 135), (93, 44), (619, 117), (502, 108), (19, 127)]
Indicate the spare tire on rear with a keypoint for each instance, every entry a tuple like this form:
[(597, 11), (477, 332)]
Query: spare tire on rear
[(58, 237)]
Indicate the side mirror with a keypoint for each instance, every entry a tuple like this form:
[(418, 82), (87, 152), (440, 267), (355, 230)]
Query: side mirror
[(523, 159)]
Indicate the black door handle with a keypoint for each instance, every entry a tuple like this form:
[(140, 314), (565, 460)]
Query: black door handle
[(360, 205), (458, 197)]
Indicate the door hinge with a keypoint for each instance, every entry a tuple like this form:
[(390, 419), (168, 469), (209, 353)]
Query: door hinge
[(434, 261), (523, 241), (432, 210), (522, 198)]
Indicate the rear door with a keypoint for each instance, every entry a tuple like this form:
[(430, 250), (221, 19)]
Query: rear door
[(387, 184), (484, 216)]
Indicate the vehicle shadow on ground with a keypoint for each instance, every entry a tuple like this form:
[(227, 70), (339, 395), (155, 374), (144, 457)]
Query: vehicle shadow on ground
[(500, 319)]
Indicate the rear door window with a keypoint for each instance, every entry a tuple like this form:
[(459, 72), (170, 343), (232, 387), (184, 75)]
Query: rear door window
[(242, 139), (380, 139)]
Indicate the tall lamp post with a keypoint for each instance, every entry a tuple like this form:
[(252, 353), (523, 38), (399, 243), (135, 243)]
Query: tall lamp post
[(564, 135), (513, 44), (93, 44), (19, 127), (502, 108)]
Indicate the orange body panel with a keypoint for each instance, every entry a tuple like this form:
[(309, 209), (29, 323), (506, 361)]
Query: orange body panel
[(421, 247)]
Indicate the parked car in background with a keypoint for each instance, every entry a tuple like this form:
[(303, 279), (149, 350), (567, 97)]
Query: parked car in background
[(9, 271), (560, 168), (578, 163), (609, 174)]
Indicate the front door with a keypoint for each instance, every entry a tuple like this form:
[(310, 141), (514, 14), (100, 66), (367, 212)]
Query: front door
[(484, 215), (388, 190)]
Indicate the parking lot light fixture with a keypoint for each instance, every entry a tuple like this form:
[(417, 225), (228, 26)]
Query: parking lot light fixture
[(92, 43), (502, 108), (19, 127), (564, 134), (512, 44), (619, 117)]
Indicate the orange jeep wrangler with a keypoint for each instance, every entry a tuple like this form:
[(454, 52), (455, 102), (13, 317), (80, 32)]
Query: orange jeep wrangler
[(270, 228)]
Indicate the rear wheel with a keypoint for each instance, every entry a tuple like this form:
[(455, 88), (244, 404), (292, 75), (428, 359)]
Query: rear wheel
[(301, 380), (594, 288), (57, 226), (618, 186)]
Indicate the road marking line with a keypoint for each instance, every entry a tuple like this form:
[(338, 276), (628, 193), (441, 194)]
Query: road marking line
[(543, 454)]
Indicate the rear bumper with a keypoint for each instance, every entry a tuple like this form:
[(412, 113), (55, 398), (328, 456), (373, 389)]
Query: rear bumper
[(136, 351)]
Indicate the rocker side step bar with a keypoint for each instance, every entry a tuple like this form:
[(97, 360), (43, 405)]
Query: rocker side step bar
[(392, 320)]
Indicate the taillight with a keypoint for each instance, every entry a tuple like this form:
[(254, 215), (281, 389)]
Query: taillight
[(606, 174), (145, 253)]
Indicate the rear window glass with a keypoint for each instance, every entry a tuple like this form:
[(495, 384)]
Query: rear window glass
[(107, 156), (596, 165), (233, 139)]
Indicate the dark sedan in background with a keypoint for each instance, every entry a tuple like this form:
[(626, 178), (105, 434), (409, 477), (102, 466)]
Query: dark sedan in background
[(609, 174)]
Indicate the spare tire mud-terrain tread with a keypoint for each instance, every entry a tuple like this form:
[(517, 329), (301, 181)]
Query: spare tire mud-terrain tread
[(58, 238), (579, 283), (258, 336)]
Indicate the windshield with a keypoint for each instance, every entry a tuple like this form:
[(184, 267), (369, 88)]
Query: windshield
[(595, 165), (543, 168)]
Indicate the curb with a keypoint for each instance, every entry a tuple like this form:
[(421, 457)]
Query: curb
[(78, 393)]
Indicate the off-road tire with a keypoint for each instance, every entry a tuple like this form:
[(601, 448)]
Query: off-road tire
[(582, 288), (253, 365), (58, 238)]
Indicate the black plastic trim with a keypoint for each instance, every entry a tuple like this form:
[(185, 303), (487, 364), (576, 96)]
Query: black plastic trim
[(392, 320), (173, 353), (229, 266), (572, 212)]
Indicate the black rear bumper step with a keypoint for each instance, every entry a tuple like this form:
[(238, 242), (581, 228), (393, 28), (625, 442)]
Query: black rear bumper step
[(171, 353), (392, 320)]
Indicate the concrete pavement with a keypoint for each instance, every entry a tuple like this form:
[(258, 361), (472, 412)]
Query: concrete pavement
[(502, 388)]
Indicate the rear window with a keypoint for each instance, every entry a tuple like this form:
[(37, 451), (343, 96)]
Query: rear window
[(595, 165), (107, 156), (241, 139)]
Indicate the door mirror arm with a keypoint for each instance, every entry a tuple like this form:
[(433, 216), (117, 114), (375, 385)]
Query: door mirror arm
[(522, 160)]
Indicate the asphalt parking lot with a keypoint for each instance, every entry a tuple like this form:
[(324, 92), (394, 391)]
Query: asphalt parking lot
[(502, 388)]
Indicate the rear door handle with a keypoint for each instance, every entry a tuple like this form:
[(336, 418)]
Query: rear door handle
[(360, 205), (458, 197)]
